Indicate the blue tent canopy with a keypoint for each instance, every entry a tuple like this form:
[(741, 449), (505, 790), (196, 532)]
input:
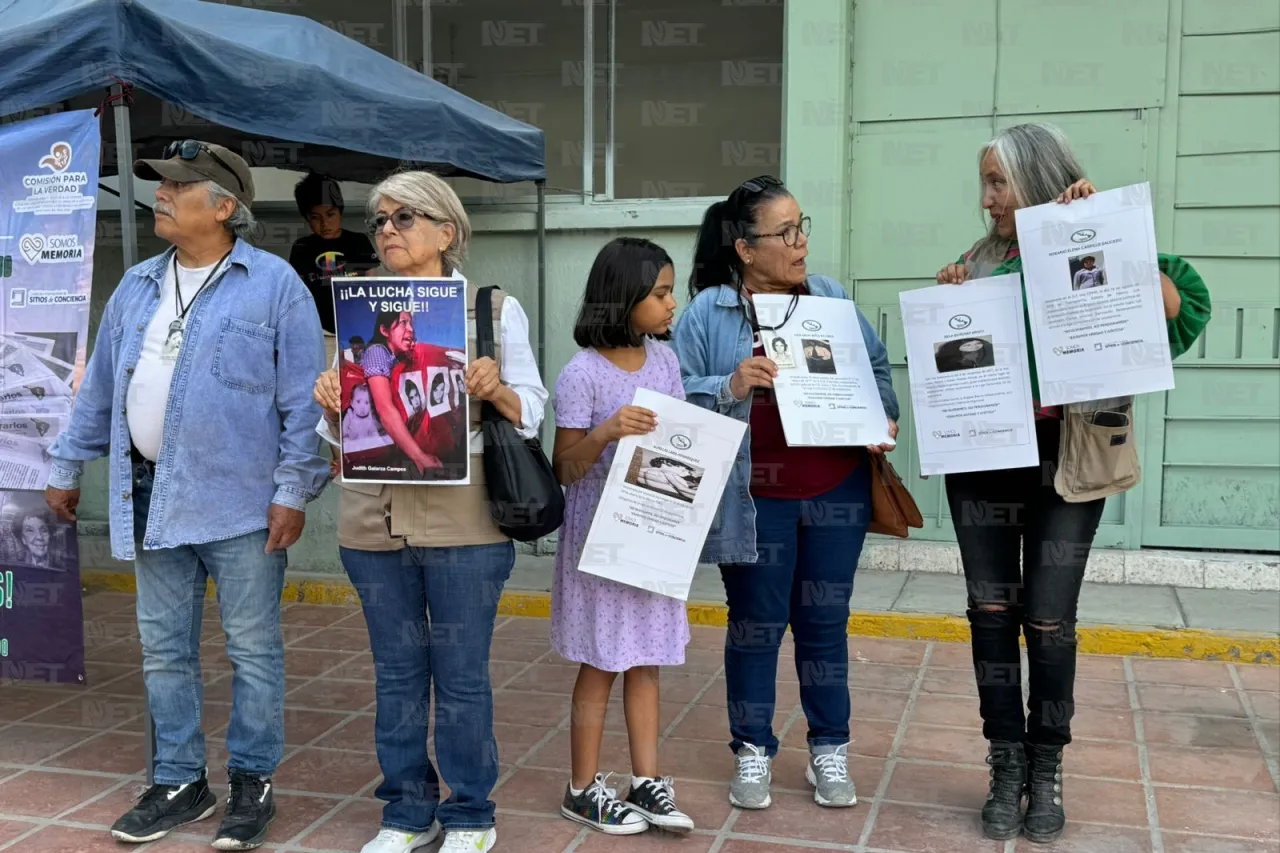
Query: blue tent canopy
[(283, 90)]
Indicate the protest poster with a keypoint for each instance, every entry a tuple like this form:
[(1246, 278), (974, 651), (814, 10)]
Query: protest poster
[(48, 212), (1094, 297), (970, 376), (825, 387), (405, 411), (661, 496)]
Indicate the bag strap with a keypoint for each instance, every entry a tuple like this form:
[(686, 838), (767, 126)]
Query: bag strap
[(484, 322)]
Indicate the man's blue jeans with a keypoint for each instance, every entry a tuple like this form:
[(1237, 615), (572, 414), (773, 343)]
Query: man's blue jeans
[(431, 613), (171, 589), (803, 577)]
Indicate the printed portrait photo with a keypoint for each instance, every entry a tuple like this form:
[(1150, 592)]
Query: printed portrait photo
[(361, 427), (31, 536), (818, 356), (672, 478), (964, 354), (412, 392), (778, 349), (438, 396), (1087, 271)]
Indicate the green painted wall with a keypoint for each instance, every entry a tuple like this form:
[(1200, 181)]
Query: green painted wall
[(1184, 94)]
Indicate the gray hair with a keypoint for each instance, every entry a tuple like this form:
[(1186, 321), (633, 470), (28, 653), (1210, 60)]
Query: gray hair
[(1038, 164), (241, 222), (427, 194)]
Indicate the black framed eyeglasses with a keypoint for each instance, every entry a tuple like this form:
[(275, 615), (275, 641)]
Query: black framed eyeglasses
[(189, 149), (791, 233), (402, 219)]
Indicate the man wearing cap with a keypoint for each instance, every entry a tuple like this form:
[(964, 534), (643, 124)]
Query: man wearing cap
[(199, 393)]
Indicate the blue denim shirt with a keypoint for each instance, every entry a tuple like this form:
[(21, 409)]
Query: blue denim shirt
[(239, 430), (711, 339)]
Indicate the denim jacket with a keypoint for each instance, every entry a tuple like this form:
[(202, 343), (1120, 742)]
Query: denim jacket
[(239, 430), (711, 339)]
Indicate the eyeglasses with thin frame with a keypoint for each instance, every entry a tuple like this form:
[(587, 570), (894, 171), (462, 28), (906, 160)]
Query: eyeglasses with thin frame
[(189, 149), (403, 219), (791, 233)]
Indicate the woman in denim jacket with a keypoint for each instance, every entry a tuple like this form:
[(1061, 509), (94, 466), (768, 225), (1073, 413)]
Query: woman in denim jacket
[(791, 524)]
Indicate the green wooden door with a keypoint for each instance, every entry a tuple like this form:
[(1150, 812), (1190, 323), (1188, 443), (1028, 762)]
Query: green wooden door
[(923, 99)]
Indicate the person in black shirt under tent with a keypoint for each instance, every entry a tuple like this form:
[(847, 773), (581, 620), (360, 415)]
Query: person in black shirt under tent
[(329, 251)]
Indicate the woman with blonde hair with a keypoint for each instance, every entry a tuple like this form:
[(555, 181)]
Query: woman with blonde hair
[(428, 561)]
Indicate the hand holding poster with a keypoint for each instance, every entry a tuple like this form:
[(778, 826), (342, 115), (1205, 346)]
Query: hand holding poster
[(827, 393), (661, 496), (970, 379), (48, 208), (405, 411), (1094, 297)]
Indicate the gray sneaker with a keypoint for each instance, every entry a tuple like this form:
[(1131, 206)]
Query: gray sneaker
[(750, 786), (828, 773)]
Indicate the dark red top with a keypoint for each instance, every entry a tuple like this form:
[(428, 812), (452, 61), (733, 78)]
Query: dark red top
[(796, 473)]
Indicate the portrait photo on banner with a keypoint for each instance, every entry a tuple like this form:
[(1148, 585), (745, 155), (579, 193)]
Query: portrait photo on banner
[(404, 416)]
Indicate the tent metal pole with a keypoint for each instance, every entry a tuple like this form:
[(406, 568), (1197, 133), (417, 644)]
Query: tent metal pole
[(129, 248), (542, 280), (124, 171)]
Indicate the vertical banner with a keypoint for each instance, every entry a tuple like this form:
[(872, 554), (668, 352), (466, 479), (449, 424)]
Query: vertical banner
[(48, 210)]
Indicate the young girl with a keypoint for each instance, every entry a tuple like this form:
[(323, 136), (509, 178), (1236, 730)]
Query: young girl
[(606, 626)]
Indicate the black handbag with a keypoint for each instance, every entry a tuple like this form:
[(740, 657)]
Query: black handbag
[(525, 498)]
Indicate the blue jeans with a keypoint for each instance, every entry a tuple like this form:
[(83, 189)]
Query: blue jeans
[(171, 589), (430, 613), (808, 551)]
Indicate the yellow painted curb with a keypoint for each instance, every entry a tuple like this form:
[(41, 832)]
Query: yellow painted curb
[(1182, 643)]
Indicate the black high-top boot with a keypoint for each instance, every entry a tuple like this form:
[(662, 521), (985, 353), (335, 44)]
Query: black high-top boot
[(1002, 814), (1045, 815)]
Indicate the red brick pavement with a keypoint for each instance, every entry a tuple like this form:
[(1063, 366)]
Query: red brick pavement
[(1171, 756)]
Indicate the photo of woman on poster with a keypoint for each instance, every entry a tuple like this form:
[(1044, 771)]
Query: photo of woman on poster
[(407, 382)]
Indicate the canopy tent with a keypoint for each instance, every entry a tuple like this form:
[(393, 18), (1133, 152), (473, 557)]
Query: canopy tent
[(259, 83)]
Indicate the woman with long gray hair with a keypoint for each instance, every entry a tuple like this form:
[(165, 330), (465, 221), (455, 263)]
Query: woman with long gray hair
[(1024, 571)]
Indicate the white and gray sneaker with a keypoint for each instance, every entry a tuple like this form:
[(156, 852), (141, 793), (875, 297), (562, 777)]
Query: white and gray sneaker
[(750, 786), (397, 841), (828, 773), (469, 841)]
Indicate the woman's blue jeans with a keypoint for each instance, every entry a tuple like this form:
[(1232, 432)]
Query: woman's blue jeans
[(807, 553), (431, 613)]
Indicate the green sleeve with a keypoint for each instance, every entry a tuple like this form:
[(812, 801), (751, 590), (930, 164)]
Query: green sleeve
[(1193, 316)]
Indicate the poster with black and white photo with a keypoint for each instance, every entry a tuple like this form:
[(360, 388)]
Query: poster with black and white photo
[(661, 496), (404, 402)]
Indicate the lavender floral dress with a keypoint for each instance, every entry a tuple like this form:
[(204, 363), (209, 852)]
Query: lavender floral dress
[(605, 624)]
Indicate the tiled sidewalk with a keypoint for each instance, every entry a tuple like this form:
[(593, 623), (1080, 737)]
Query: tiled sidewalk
[(1170, 756)]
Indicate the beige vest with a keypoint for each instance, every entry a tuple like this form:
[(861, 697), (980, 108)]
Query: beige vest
[(379, 517)]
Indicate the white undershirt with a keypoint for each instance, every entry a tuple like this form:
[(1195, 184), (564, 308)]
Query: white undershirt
[(148, 396)]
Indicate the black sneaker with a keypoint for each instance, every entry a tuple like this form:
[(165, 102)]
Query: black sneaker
[(163, 808), (250, 809), (598, 807), (655, 801)]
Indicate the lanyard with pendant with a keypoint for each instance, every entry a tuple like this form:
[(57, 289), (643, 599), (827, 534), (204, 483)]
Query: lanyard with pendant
[(173, 342)]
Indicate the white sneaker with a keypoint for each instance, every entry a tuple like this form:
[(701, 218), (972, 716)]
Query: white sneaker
[(469, 841), (398, 841)]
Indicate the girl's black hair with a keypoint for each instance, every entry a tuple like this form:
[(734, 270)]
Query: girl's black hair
[(715, 258), (621, 278)]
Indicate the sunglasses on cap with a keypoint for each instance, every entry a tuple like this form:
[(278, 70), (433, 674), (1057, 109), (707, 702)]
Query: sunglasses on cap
[(402, 219), (189, 149)]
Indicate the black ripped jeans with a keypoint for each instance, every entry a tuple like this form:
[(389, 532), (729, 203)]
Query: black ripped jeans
[(1024, 551)]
